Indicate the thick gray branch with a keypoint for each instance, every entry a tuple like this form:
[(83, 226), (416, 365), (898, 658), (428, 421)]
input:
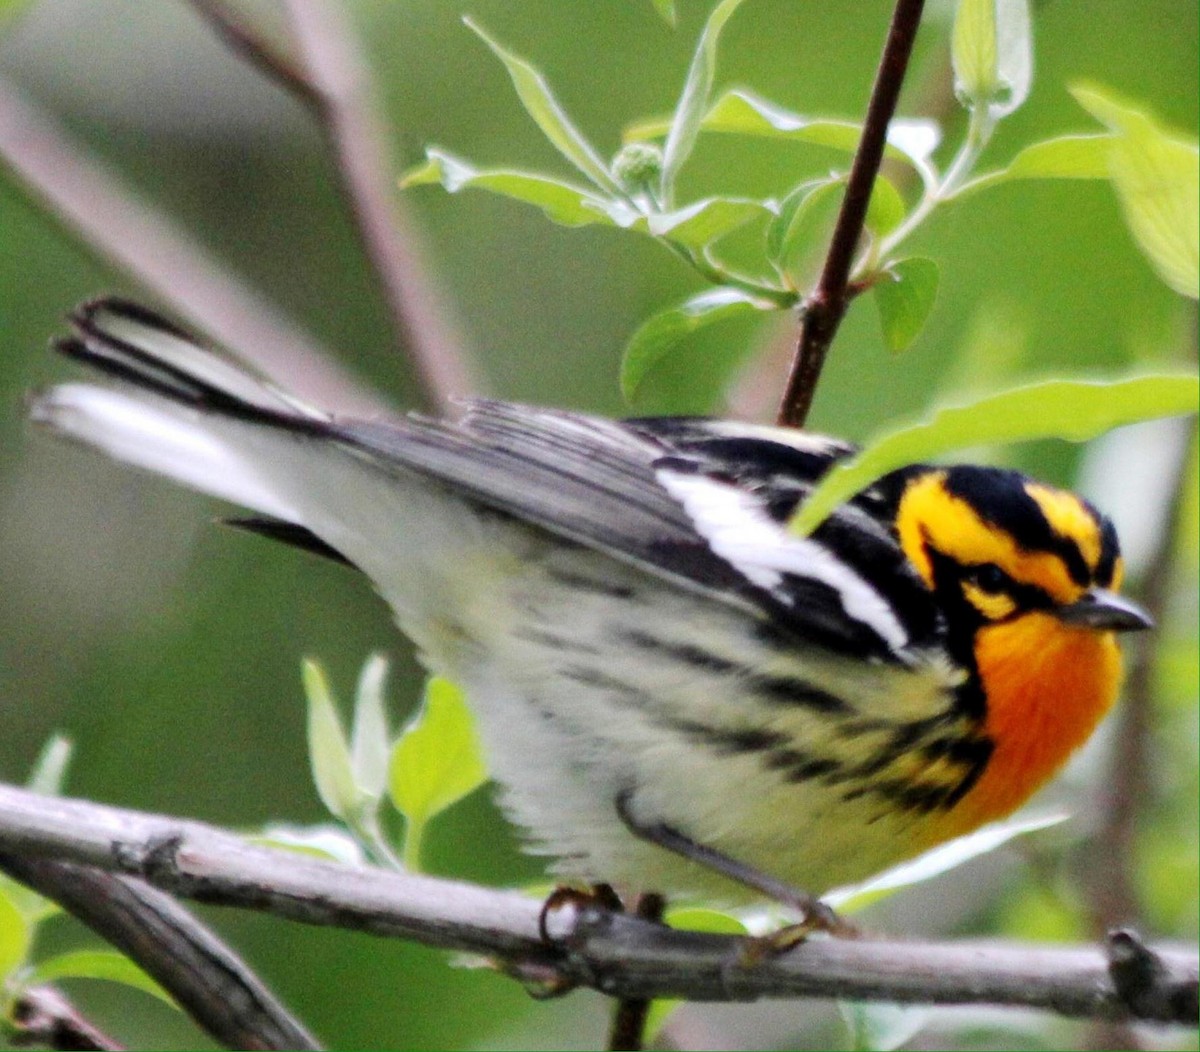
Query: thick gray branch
[(620, 955)]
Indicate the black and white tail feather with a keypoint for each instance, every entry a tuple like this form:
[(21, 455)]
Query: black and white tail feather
[(607, 592)]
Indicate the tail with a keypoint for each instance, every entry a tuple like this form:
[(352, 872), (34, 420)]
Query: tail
[(171, 410)]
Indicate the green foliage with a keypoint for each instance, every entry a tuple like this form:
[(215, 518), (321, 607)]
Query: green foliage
[(98, 964), (904, 294), (436, 762), (1075, 410), (991, 54), (1157, 179), (328, 750)]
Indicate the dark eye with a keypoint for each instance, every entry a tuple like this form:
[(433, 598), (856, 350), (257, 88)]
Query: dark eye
[(989, 577)]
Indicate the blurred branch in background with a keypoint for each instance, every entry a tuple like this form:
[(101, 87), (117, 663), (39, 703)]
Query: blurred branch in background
[(94, 206), (333, 81), (825, 306), (43, 1017), (351, 118), (618, 954)]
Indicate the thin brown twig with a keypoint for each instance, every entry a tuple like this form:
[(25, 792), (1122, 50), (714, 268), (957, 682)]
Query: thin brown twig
[(44, 1017), (208, 980), (244, 39), (826, 305), (335, 69), (94, 206)]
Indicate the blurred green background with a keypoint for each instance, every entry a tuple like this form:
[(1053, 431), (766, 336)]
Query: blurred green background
[(169, 649)]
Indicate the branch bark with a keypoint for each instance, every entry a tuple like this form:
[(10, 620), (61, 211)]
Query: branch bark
[(618, 954), (826, 305), (208, 980)]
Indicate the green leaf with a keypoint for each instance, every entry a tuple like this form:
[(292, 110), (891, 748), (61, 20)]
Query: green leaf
[(666, 11), (699, 918), (1157, 179), (660, 335), (1064, 157), (16, 937), (904, 295), (437, 760), (704, 222), (879, 1026), (885, 210), (798, 229), (689, 111), (563, 202), (327, 841), (99, 964), (941, 859), (50, 768), (1075, 410), (328, 753), (370, 743), (543, 107), (740, 112), (991, 52)]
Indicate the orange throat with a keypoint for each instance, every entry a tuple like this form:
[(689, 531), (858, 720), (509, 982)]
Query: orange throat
[(1048, 686)]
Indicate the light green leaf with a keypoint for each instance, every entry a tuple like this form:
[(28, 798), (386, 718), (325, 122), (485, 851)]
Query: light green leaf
[(543, 107), (34, 908), (563, 202), (885, 210), (800, 225), (1065, 157), (437, 760), (904, 295), (328, 753), (941, 859), (99, 964), (319, 841), (666, 11), (660, 335), (740, 112), (370, 743), (879, 1026), (1157, 178), (992, 54), (50, 768), (699, 918), (1075, 410), (706, 221), (16, 937), (689, 111)]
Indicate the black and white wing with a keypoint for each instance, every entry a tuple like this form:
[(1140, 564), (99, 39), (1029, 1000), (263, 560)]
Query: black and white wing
[(697, 502)]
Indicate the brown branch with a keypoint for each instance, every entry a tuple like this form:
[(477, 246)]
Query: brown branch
[(618, 954), (244, 40), (335, 69), (92, 204), (826, 305), (208, 980), (43, 1016)]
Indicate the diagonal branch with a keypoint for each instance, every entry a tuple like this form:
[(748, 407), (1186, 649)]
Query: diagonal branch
[(245, 41), (618, 954), (210, 982), (826, 305), (335, 69), (93, 205)]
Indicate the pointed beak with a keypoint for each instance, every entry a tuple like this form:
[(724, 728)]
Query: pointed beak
[(1105, 611)]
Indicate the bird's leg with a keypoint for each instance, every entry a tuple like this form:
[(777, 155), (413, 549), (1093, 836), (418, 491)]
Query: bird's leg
[(815, 914)]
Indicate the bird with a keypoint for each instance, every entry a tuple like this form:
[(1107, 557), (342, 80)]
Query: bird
[(675, 691)]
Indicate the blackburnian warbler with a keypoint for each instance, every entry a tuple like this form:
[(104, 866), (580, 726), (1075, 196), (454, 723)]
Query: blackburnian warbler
[(655, 660)]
